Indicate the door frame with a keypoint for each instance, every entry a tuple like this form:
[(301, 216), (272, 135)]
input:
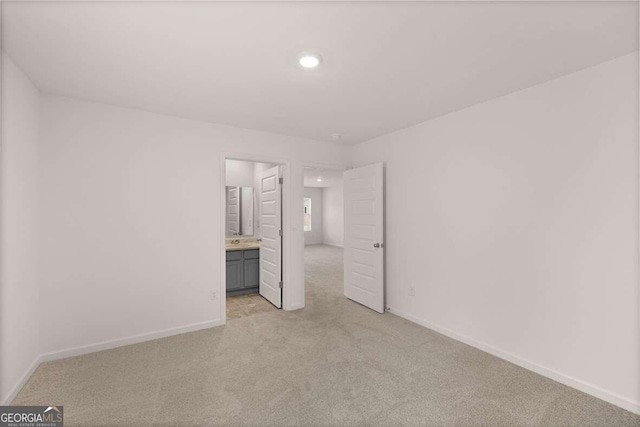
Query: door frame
[(286, 223)]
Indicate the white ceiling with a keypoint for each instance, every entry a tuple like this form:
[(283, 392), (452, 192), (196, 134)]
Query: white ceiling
[(330, 177), (386, 65)]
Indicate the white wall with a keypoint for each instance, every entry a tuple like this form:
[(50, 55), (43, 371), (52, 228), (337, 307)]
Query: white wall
[(333, 215), (316, 235), (19, 303), (524, 216), (131, 213), (239, 173)]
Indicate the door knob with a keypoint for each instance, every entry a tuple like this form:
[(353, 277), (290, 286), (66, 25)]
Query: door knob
[(378, 245)]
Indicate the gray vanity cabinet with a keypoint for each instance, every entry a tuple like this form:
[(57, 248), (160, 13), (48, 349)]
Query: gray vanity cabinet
[(243, 271), (234, 271)]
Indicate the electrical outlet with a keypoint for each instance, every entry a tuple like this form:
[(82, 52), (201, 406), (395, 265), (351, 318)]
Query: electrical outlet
[(412, 291), (214, 295)]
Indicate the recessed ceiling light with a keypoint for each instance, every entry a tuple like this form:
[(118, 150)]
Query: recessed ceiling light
[(335, 136), (309, 60), (319, 179)]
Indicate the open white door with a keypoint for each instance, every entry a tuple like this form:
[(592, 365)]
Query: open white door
[(364, 230), (271, 235), (233, 212)]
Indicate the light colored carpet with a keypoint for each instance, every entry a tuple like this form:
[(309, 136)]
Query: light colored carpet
[(332, 363)]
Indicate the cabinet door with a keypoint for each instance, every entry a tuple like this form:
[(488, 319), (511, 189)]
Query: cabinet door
[(234, 275), (252, 273)]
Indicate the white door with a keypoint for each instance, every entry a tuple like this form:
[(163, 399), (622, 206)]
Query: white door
[(271, 235), (233, 211), (364, 230)]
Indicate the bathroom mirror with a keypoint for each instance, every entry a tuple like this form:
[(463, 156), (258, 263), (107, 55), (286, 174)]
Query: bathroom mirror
[(239, 211)]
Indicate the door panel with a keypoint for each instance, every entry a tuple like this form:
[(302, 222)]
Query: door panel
[(364, 229), (270, 228), (251, 272)]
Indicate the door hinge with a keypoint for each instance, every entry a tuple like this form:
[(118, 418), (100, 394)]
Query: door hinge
[(280, 285), (280, 180), (280, 233)]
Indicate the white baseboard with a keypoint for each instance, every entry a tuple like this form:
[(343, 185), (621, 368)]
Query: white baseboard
[(134, 339), (16, 388), (294, 307), (335, 245), (106, 345), (591, 389)]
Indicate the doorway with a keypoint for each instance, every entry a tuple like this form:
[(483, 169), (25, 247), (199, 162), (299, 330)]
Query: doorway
[(351, 249), (323, 219), (253, 224)]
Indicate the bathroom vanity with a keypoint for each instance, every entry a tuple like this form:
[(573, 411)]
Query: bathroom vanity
[(243, 267), (243, 249)]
